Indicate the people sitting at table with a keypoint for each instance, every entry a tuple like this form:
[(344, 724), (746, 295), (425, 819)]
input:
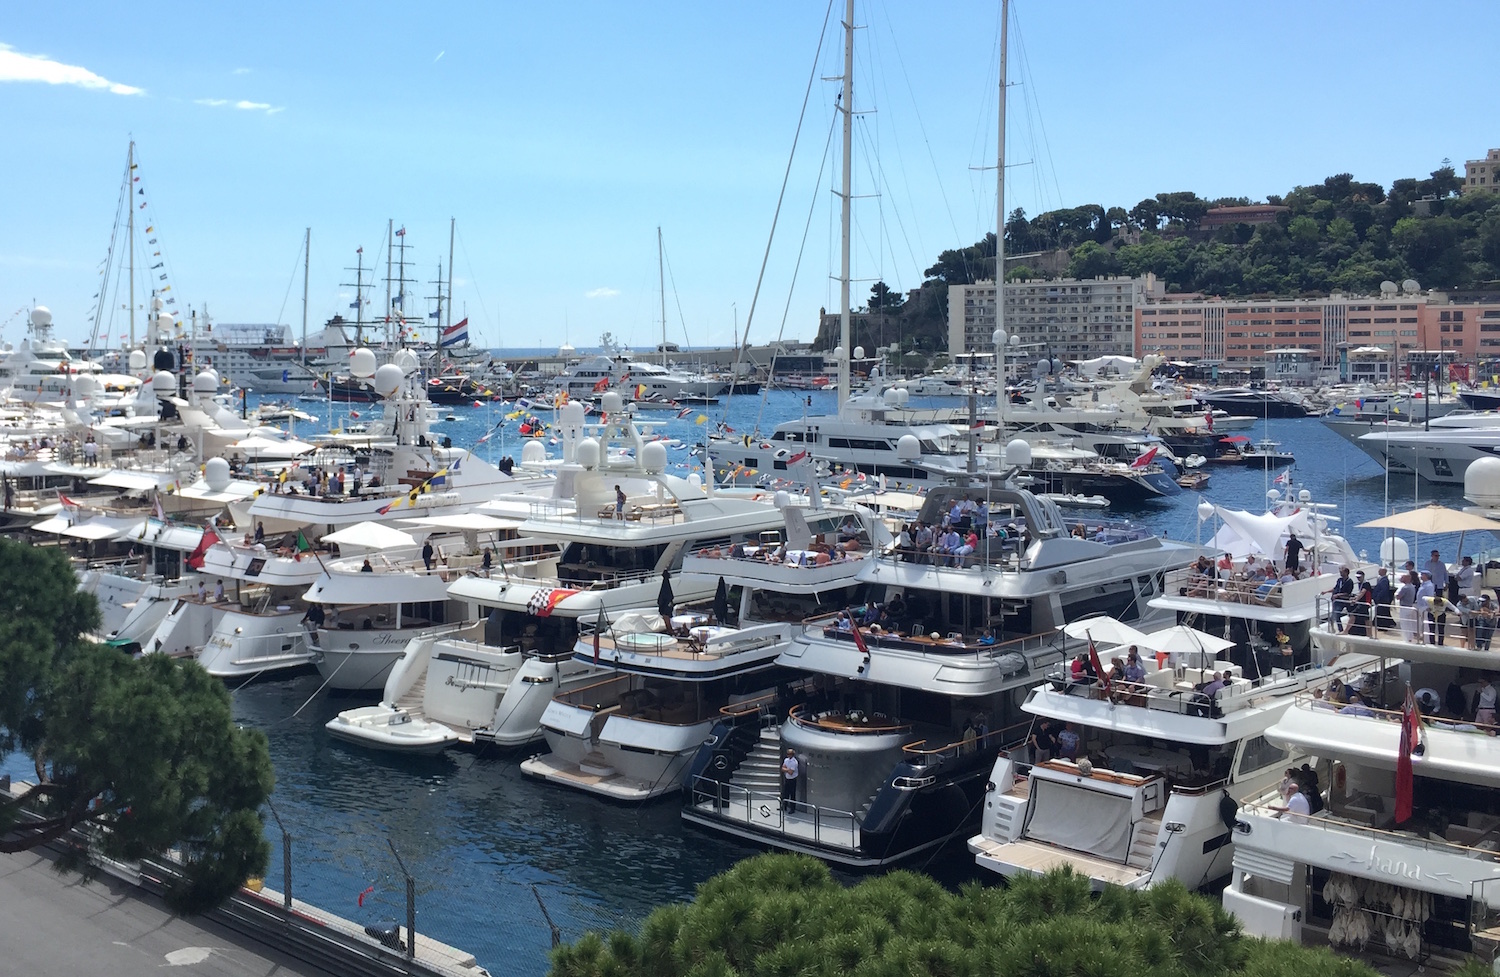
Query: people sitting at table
[(843, 622), (1082, 670), (1134, 671)]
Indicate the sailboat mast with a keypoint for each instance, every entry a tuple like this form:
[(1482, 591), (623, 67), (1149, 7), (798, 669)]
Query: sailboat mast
[(661, 279), (390, 244), (306, 265), (130, 210), (846, 106), (452, 223), (1000, 334)]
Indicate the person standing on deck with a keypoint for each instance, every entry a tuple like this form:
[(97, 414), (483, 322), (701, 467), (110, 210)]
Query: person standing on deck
[(791, 768)]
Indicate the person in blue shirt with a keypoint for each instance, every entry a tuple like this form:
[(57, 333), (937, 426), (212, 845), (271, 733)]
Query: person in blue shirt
[(1134, 670)]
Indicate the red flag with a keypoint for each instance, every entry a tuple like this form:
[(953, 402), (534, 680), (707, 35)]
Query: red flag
[(1094, 660), (1144, 459), (602, 385), (1411, 734), (797, 457), (66, 502), (195, 559), (859, 639), (365, 893)]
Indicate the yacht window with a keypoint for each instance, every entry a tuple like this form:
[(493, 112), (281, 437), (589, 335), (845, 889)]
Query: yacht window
[(1116, 599), (1258, 754)]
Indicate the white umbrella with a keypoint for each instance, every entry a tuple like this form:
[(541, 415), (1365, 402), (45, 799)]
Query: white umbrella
[(1430, 519), (371, 536), (1104, 630), (1183, 640)]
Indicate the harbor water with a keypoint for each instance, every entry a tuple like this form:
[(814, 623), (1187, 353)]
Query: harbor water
[(500, 862)]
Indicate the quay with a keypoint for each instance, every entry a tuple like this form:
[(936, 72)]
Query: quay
[(117, 924)]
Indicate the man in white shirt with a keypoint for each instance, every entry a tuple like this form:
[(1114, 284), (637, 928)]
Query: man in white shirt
[(790, 769), (1467, 578), (1296, 809), (1484, 714)]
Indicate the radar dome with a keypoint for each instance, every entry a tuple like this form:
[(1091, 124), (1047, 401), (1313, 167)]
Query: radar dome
[(588, 453), (406, 360), (533, 453), (610, 402), (388, 380), (654, 457), (41, 316), (216, 474), (137, 360), (892, 397), (163, 360), (573, 414), (1394, 551), (362, 363), (156, 303), (164, 384), (908, 448), (1387, 288), (206, 383), (1482, 483), (903, 395), (85, 385), (1410, 286), (1018, 453), (695, 480), (783, 499), (859, 352)]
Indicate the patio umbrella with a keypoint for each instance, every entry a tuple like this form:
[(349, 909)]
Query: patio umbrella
[(1431, 519), (721, 603), (1104, 630), (664, 596), (1183, 640)]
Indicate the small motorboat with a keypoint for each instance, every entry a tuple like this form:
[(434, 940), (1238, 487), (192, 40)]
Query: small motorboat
[(1194, 461), (1067, 500), (1193, 481), (386, 727)]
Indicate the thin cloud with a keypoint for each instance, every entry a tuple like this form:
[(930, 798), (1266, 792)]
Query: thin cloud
[(211, 102), (15, 66), (440, 56), (601, 293), (240, 71), (242, 105)]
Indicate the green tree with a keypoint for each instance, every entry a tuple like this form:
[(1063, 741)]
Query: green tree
[(1090, 260), (143, 755), (785, 915), (882, 299)]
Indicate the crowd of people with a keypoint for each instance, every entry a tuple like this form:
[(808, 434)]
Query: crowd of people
[(965, 529), (1425, 604)]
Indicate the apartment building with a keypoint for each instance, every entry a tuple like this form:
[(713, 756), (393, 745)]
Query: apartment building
[(1068, 317), (1482, 174)]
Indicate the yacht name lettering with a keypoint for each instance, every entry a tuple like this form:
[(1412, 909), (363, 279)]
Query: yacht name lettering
[(1376, 862)]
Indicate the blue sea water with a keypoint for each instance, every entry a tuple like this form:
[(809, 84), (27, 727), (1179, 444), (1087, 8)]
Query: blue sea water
[(489, 848)]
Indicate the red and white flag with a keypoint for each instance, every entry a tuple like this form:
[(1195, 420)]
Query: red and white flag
[(797, 457), (1411, 737), (1145, 459), (66, 502), (1094, 661)]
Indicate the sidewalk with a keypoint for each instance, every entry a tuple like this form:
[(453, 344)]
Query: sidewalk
[(57, 924)]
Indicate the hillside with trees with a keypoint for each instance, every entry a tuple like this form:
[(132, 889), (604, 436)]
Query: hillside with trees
[(1338, 235)]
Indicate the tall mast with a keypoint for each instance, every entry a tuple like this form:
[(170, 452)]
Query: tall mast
[(846, 100), (359, 295), (1000, 334), (130, 209), (446, 322), (390, 244), (306, 264), (661, 278)]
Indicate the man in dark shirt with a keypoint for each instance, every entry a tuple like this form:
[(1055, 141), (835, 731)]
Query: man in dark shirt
[(1293, 553)]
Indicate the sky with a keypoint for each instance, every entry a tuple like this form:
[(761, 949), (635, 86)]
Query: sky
[(560, 137)]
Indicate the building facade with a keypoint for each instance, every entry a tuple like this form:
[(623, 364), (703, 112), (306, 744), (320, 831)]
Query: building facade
[(1067, 317), (1244, 332), (1482, 174)]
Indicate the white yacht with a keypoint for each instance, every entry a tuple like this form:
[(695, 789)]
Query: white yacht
[(41, 370), (594, 375), (1360, 869), (907, 717), (1440, 453), (630, 736)]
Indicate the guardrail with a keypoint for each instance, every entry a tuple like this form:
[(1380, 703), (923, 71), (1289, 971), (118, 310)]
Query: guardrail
[(831, 828)]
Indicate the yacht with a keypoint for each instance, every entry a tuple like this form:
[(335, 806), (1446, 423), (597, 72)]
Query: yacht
[(41, 370), (1435, 453), (630, 736), (907, 717), (1407, 870), (592, 376), (1261, 403), (1151, 793)]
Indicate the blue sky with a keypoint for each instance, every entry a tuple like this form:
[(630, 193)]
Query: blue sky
[(561, 136)]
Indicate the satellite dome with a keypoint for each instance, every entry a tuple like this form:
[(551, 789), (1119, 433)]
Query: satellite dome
[(532, 453), (216, 474), (41, 316), (163, 383), (1018, 453), (695, 480), (610, 402), (783, 499), (137, 360), (156, 303), (588, 453), (406, 360), (573, 414), (206, 383), (362, 363), (1482, 483), (908, 448), (85, 386), (388, 380), (654, 457)]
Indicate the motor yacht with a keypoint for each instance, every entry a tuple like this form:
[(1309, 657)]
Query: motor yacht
[(907, 717)]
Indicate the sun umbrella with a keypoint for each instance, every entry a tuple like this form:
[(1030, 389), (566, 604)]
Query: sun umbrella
[(1433, 519), (1183, 640), (721, 603), (664, 596), (1105, 630)]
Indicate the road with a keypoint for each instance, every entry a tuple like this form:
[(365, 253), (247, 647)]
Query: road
[(57, 924)]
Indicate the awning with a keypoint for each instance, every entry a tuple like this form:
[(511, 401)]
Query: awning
[(236, 490), (463, 522), (136, 481), (371, 536)]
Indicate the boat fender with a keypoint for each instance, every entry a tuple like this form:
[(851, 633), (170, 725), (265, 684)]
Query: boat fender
[(1229, 810)]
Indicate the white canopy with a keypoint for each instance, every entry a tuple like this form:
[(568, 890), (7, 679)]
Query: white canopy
[(259, 447), (137, 481), (1183, 640), (463, 522), (1262, 533), (371, 536), (237, 489), (1104, 630), (1120, 364)]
